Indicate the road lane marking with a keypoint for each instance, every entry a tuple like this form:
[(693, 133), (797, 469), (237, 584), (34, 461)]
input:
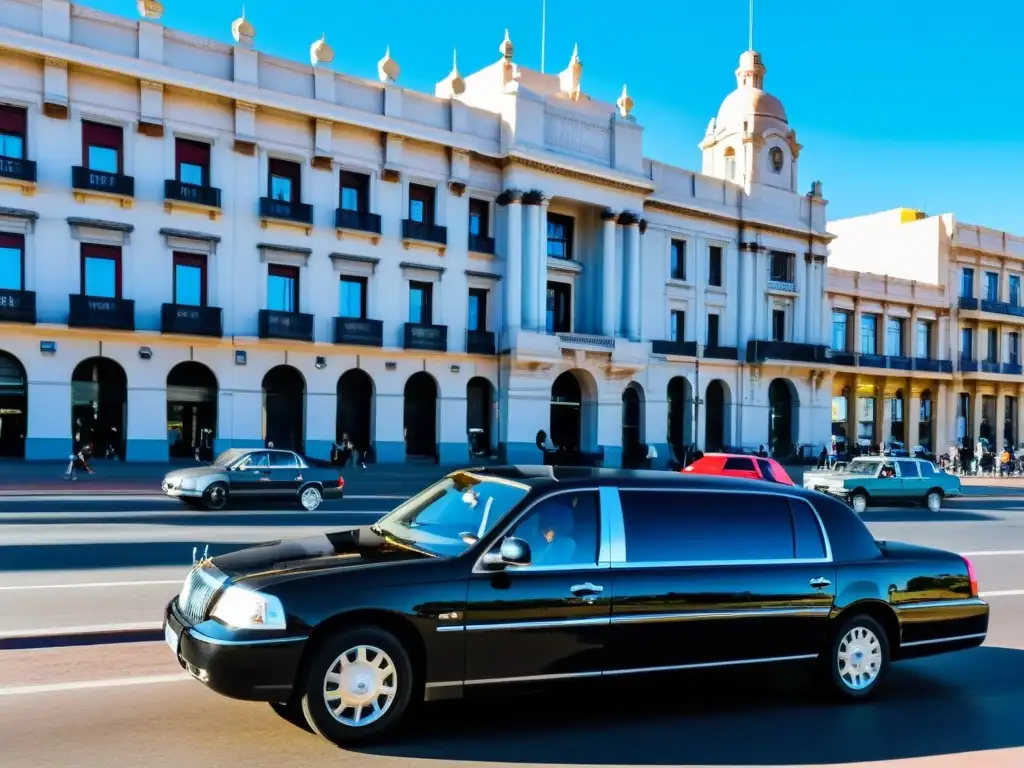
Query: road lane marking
[(994, 553), (1002, 593), (13, 498), (39, 516), (92, 585), (22, 690), (90, 629)]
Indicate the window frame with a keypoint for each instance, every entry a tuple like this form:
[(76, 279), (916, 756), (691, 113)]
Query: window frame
[(360, 182), (428, 303), (108, 252), (14, 122), (199, 150), (677, 259), (102, 135), (481, 209), (967, 282), (290, 271), (189, 260), (481, 294), (567, 289), (568, 235), (285, 169), (677, 323), (716, 264), (363, 282), (776, 312), (15, 242), (427, 195), (836, 314), (717, 324)]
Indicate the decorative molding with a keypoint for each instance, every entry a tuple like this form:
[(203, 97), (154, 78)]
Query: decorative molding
[(364, 266), (508, 196), (244, 147), (533, 197), (577, 175), (284, 254), (322, 163), (185, 234), (151, 85), (757, 226), (18, 213), (56, 110), (609, 215), (483, 275), (751, 247), (115, 226), (390, 175), (628, 219), (152, 129), (457, 188), (58, 63), (643, 226), (569, 133), (245, 106)]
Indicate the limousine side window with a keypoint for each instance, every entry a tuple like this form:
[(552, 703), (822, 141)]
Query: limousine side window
[(766, 471), (562, 529), (282, 460), (259, 460), (806, 532), (737, 463), (667, 526)]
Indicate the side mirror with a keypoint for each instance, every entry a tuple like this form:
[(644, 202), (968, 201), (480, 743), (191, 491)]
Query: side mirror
[(513, 551)]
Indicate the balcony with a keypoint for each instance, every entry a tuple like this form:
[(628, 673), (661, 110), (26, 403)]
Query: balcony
[(182, 195), (967, 366), (421, 233), (17, 172), (759, 351), (900, 363), (721, 353), (430, 338), (481, 244), (358, 332), (85, 181), (967, 302), (17, 306), (190, 320), (480, 342), (676, 348), (1011, 369), (839, 357), (781, 286), (935, 366), (286, 212), (871, 361), (101, 312), (357, 223), (1002, 308), (294, 326), (989, 366)]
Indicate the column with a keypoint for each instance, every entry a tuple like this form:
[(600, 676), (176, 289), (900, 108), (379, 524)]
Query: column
[(631, 238), (952, 413), (531, 257), (941, 430), (1003, 294), (514, 266), (1019, 437), (998, 439), (700, 281), (886, 425), (541, 294), (857, 317), (757, 299), (912, 418), (740, 299), (912, 349), (815, 327), (975, 432), (802, 268), (609, 285), (883, 332), (1001, 345)]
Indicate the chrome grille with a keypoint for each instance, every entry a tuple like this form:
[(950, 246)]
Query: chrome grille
[(201, 586)]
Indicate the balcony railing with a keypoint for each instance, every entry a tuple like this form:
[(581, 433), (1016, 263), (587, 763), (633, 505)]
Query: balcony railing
[(101, 312), (865, 360), (192, 320), (480, 342), (17, 306), (481, 244), (900, 363), (967, 366), (295, 326), (16, 168), (679, 348), (363, 333), (432, 338), (1002, 308), (989, 366), (782, 285), (100, 181), (1011, 369), (191, 193), (839, 357), (721, 353), (758, 351), (935, 366), (359, 221), (285, 210), (427, 233), (967, 302)]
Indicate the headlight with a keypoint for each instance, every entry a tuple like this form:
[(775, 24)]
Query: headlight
[(243, 608)]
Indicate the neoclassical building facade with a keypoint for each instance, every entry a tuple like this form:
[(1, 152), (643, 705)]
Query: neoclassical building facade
[(204, 246)]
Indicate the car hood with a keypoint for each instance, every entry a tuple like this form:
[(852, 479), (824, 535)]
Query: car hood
[(328, 551), (203, 471)]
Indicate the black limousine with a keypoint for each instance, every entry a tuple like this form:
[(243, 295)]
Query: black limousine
[(506, 575)]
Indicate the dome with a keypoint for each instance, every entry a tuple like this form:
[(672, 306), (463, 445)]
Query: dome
[(749, 100)]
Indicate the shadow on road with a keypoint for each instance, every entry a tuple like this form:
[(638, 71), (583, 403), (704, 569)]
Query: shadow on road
[(325, 520), (68, 557), (929, 707), (914, 515)]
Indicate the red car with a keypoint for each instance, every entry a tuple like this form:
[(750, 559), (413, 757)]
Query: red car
[(738, 465)]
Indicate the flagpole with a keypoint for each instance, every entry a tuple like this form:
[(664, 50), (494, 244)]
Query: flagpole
[(544, 31), (750, 31)]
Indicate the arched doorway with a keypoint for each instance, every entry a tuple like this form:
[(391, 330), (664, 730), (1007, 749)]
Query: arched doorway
[(99, 406), (191, 411), (479, 410), (680, 417), (13, 407), (633, 453), (717, 429), (897, 430), (354, 414), (421, 416), (782, 418), (284, 408)]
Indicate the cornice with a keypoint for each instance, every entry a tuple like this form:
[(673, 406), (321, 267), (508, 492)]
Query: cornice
[(591, 177), (721, 218)]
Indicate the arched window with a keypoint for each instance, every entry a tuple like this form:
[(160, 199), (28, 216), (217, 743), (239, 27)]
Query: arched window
[(776, 159)]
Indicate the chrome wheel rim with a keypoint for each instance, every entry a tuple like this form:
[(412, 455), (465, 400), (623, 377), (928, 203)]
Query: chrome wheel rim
[(360, 686), (859, 503), (859, 659), (934, 502), (311, 498), (217, 497)]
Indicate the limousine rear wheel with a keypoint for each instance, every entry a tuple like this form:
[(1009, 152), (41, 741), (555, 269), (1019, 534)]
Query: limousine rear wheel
[(859, 657), (358, 686), (310, 498)]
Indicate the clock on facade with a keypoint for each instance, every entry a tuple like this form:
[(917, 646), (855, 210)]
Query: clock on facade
[(777, 159)]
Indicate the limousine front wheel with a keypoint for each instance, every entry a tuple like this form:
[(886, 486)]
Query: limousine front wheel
[(358, 686), (859, 657), (933, 501)]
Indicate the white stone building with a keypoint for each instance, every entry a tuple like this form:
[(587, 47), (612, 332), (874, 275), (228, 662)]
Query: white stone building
[(202, 245)]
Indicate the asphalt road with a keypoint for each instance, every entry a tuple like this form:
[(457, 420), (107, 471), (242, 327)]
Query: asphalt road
[(104, 564)]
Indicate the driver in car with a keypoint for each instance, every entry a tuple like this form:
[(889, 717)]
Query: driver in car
[(555, 545)]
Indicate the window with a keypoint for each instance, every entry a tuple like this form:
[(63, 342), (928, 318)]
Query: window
[(283, 460), (352, 297), (866, 419), (677, 260), (927, 468), (730, 163), (190, 279), (477, 309), (908, 468), (966, 282), (781, 267), (421, 303), (102, 146), (778, 325), (924, 339), (479, 211), (677, 325), (1013, 348), (421, 203), (666, 526), (776, 159), (993, 346), (735, 463), (766, 471), (12, 262), (285, 179), (282, 288), (869, 334), (562, 530), (560, 229), (840, 331), (992, 286), (355, 191), (894, 337), (193, 162), (259, 460), (966, 343), (715, 266), (808, 542), (101, 271), (13, 132), (712, 330), (1014, 290), (559, 308)]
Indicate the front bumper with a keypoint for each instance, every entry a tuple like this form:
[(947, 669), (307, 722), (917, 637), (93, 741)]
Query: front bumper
[(333, 492), (178, 492), (254, 670)]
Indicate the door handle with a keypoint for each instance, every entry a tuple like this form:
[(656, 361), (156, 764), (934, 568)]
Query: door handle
[(588, 588), (820, 583)]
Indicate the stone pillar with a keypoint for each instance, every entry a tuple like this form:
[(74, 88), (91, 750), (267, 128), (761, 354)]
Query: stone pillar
[(757, 298), (975, 431), (531, 257), (999, 426), (631, 241), (541, 294), (857, 317), (912, 349), (941, 430), (743, 294), (1003, 294), (952, 404), (514, 261), (1019, 437), (885, 431), (912, 418), (609, 283), (883, 332), (802, 285)]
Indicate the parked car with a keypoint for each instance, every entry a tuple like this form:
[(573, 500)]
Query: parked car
[(880, 479), (739, 465), (495, 577), (256, 474)]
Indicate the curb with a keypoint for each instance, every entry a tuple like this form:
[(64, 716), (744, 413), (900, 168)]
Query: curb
[(35, 640)]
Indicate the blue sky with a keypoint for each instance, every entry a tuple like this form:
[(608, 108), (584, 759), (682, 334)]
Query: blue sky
[(915, 104)]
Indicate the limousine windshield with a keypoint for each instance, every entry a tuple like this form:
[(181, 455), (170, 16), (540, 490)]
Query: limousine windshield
[(453, 514)]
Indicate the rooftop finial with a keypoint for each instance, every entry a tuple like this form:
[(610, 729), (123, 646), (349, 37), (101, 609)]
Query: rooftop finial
[(320, 52), (571, 77), (750, 27), (506, 49), (453, 85), (625, 104), (387, 68), (150, 9), (243, 32)]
